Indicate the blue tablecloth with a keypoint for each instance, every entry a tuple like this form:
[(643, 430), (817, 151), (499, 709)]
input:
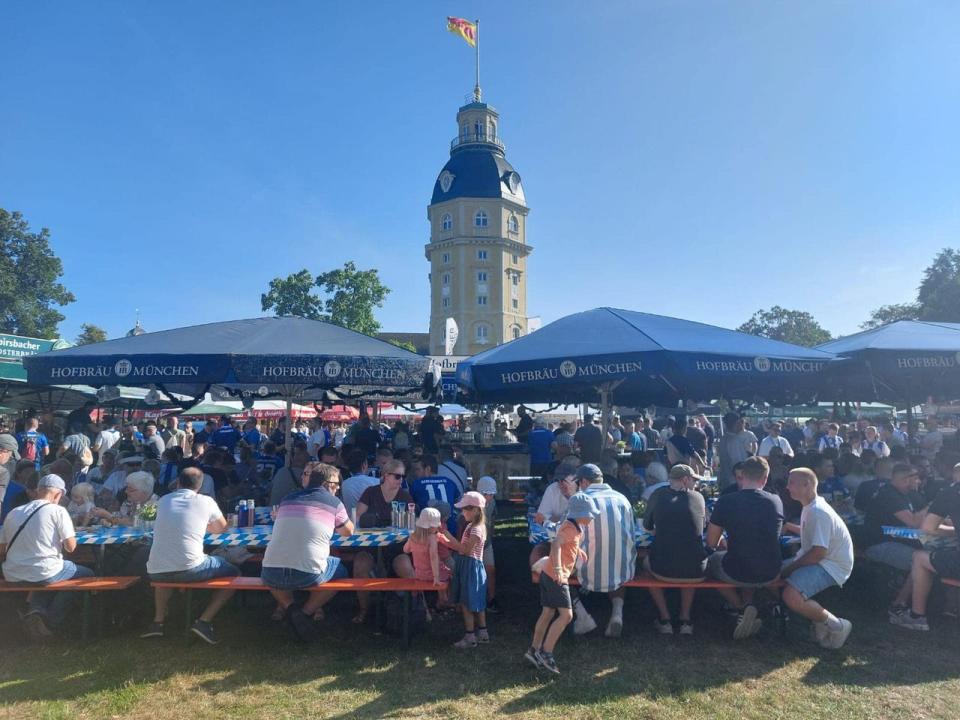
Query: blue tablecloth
[(902, 532), (256, 536), (540, 534)]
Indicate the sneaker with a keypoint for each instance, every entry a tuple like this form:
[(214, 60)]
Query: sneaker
[(664, 627), (204, 630), (908, 621), (154, 631), (37, 624), (895, 610), (533, 656), (614, 627), (547, 662), (747, 623), (835, 639), (483, 636), (301, 624), (583, 623), (820, 632), (686, 628), (465, 642)]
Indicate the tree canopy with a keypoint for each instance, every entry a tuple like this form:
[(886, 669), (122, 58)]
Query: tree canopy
[(891, 313), (792, 326), (91, 334), (352, 296), (938, 297), (29, 280)]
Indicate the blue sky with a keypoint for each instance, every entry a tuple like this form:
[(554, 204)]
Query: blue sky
[(690, 158)]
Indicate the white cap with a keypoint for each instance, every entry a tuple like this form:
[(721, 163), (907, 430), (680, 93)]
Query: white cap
[(487, 485)]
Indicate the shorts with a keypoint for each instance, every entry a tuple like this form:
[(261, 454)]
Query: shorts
[(553, 594), (946, 561), (716, 571), (280, 578), (809, 580), (693, 581), (895, 554), (488, 560), (212, 567)]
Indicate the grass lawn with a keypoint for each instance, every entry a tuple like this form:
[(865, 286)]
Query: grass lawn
[(258, 671)]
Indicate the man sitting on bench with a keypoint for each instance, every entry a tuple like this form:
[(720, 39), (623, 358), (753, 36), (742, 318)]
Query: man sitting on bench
[(183, 517), (32, 543)]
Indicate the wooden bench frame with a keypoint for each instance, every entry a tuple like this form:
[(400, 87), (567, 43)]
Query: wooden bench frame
[(648, 580), (86, 586), (255, 584)]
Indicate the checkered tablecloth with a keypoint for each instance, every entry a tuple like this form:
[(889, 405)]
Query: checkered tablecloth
[(902, 532), (110, 535), (541, 534), (256, 536)]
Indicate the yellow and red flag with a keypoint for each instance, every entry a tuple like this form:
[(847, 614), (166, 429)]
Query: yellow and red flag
[(464, 28)]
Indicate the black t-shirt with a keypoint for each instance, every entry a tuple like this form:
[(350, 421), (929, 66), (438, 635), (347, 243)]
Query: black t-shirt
[(866, 492), (677, 516), (429, 429), (698, 439), (373, 498), (882, 511), (367, 439), (753, 520), (947, 505), (590, 440)]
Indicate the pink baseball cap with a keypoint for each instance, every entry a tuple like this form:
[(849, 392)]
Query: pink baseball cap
[(471, 499)]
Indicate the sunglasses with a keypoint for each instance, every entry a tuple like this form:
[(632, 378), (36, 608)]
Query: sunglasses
[(396, 475)]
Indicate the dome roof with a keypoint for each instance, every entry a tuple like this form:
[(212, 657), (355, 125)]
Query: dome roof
[(478, 172)]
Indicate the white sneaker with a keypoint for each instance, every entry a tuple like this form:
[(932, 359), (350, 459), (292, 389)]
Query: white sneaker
[(583, 623), (664, 627), (614, 627), (747, 623), (835, 639), (820, 632)]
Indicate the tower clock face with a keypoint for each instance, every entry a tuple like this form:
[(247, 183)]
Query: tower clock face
[(446, 180)]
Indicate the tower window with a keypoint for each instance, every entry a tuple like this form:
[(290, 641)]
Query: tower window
[(516, 332), (516, 304), (481, 254), (445, 278), (516, 259), (478, 129), (515, 279), (446, 258), (480, 220), (481, 299), (445, 302), (483, 333), (482, 276), (447, 222), (513, 225)]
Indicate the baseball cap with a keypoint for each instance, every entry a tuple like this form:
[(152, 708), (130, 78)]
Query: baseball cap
[(471, 499), (441, 507), (678, 472), (9, 442), (54, 482), (581, 505), (589, 472), (487, 485), (130, 459), (429, 518)]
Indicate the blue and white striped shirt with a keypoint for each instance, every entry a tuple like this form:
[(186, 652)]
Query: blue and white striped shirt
[(608, 542)]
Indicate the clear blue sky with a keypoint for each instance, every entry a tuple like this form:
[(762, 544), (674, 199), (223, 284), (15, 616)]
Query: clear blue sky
[(684, 157)]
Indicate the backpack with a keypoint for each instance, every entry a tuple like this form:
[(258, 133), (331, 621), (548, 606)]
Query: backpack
[(29, 451)]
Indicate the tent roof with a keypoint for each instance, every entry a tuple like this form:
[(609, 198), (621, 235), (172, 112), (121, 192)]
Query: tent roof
[(916, 335)]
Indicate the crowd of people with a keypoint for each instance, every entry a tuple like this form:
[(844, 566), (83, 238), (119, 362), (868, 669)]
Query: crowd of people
[(831, 485)]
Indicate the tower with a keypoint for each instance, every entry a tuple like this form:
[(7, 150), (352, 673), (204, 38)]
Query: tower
[(477, 250)]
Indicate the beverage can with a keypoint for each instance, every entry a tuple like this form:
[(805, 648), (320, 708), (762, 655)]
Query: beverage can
[(242, 514)]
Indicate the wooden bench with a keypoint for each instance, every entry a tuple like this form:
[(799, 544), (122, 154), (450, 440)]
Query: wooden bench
[(87, 586), (647, 580), (373, 585)]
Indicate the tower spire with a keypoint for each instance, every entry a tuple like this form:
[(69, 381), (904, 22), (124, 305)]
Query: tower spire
[(477, 93)]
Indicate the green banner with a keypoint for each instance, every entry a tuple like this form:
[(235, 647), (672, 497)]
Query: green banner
[(14, 347)]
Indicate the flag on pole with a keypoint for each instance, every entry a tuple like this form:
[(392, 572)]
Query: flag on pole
[(464, 28)]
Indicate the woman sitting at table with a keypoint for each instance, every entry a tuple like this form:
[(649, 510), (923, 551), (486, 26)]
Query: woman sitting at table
[(374, 510), (139, 494)]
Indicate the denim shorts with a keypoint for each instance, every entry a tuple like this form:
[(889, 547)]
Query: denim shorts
[(212, 567), (809, 580), (895, 554), (293, 579)]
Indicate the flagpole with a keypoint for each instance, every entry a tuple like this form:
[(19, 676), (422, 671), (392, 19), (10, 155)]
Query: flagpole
[(476, 90)]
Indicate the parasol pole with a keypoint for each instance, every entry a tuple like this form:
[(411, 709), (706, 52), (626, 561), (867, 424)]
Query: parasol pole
[(287, 435)]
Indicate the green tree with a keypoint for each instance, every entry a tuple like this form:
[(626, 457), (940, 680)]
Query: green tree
[(352, 296), (29, 280), (293, 295), (891, 313), (355, 293), (939, 293), (405, 344), (792, 326), (91, 334)]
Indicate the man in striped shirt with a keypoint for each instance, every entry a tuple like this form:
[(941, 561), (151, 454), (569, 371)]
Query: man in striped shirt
[(610, 548)]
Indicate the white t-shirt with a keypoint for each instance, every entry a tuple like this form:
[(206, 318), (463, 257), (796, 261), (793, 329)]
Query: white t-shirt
[(821, 526), (317, 440), (106, 439), (770, 442), (37, 555), (452, 471), (931, 443), (353, 487), (553, 506), (182, 519), (116, 482)]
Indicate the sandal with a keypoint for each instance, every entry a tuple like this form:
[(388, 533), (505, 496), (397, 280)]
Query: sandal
[(318, 615)]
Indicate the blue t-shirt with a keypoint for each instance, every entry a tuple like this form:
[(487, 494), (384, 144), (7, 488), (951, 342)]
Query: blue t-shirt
[(225, 437), (539, 441), (39, 441), (436, 488), (253, 438), (14, 490), (637, 441)]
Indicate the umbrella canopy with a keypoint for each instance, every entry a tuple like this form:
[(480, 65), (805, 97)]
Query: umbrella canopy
[(340, 413), (644, 359), (900, 361), (275, 356)]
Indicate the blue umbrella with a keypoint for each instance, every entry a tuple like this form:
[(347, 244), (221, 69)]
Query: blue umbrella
[(644, 359), (900, 361)]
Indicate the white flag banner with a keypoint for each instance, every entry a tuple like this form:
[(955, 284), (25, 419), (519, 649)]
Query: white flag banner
[(453, 332)]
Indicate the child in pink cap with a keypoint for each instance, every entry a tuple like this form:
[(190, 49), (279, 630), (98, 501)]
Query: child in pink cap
[(469, 584)]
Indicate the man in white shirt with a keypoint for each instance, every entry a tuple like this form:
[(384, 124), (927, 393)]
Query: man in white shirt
[(32, 542), (108, 437), (183, 517), (932, 440), (553, 506), (825, 560), (451, 469), (318, 438), (774, 439)]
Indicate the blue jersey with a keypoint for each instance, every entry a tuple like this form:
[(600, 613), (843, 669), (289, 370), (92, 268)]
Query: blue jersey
[(436, 488), (225, 437), (32, 445), (539, 441), (253, 438)]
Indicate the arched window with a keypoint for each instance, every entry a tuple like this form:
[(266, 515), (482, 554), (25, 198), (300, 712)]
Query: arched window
[(445, 278), (478, 129), (493, 130), (516, 332), (480, 220), (447, 222), (483, 333), (513, 225)]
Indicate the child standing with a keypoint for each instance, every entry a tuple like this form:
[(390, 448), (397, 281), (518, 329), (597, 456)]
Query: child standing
[(555, 582), (81, 503), (424, 546), (469, 586)]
